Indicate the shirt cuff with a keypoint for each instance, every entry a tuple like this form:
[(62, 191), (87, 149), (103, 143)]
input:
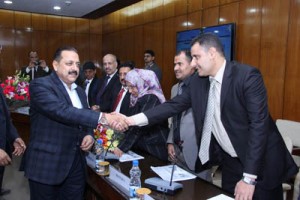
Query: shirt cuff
[(99, 117), (140, 119), (27, 70), (250, 175), (46, 69)]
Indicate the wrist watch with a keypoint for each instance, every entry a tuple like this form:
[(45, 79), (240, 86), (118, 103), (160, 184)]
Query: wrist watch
[(248, 180), (103, 120)]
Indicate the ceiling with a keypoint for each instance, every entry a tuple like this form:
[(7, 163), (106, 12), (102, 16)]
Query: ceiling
[(91, 9)]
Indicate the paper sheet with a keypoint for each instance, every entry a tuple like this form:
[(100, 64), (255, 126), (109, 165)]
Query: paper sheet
[(179, 174), (129, 156), (221, 197)]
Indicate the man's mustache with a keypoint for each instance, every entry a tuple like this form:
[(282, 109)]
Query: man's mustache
[(73, 72)]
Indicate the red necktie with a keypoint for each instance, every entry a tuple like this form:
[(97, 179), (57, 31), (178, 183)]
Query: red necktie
[(119, 97)]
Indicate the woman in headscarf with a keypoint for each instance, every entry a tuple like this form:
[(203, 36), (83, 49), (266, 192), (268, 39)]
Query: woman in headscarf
[(146, 93)]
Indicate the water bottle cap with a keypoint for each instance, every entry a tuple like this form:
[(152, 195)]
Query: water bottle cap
[(135, 162), (99, 141)]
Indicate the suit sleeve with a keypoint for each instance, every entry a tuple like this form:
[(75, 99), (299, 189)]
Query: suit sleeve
[(255, 96), (134, 133), (49, 101), (170, 108)]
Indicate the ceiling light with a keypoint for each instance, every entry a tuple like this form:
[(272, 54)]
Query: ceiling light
[(56, 7), (8, 2)]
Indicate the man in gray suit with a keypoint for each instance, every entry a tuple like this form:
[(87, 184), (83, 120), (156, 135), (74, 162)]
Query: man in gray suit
[(182, 142)]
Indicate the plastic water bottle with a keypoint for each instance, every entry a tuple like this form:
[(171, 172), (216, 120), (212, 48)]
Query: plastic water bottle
[(135, 179), (99, 151)]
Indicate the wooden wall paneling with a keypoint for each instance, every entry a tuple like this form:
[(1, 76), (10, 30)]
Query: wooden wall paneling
[(116, 50), (210, 3), (68, 24), (54, 41), (7, 19), (229, 13), (153, 39), (127, 16), (7, 55), (168, 8), (148, 13), (227, 1), (181, 7), (247, 43), (273, 51), (39, 21), (169, 50), (180, 22), (96, 26), (107, 43), (107, 24), (96, 48), (123, 19), (54, 23), (22, 20), (136, 14), (195, 20), (138, 46), (83, 46), (291, 103), (194, 5), (210, 16), (39, 44), (158, 9), (68, 39), (116, 21), (22, 48), (126, 45), (82, 25)]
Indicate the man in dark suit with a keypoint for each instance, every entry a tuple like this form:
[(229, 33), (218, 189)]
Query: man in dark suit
[(244, 139), (110, 83), (61, 131), (91, 83), (36, 68), (182, 144), (8, 138), (122, 100)]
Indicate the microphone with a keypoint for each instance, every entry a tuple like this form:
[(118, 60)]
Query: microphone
[(172, 173)]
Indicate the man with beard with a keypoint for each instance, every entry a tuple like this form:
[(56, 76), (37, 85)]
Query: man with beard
[(61, 131)]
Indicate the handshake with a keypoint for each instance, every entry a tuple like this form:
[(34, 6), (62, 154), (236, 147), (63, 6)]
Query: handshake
[(117, 121)]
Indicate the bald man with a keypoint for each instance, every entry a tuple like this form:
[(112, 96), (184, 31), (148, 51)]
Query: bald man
[(110, 83)]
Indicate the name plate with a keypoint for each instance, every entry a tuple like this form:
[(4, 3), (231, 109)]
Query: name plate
[(119, 179)]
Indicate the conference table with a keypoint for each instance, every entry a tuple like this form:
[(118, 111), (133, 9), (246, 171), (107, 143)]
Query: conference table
[(101, 187)]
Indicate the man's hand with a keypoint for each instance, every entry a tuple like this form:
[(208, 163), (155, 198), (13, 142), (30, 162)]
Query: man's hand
[(43, 63), (130, 121), (19, 147), (117, 121), (243, 191), (171, 152), (31, 64), (118, 152), (95, 108), (4, 158), (87, 143)]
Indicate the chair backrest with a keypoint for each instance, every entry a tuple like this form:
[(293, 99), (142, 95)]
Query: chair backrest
[(289, 129)]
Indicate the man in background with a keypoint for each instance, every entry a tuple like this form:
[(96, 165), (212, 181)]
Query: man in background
[(36, 68), (122, 100), (110, 83), (182, 141), (149, 57), (9, 140), (91, 84), (61, 131)]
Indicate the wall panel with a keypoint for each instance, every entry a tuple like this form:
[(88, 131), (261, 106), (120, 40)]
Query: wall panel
[(39, 22), (291, 103), (273, 51), (83, 46), (22, 20), (210, 16), (7, 19), (54, 23), (96, 26), (210, 3), (22, 48), (39, 44), (194, 5), (7, 54), (68, 24), (229, 13)]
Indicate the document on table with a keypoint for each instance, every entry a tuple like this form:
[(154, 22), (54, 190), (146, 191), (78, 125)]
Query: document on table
[(129, 156), (221, 197), (179, 174)]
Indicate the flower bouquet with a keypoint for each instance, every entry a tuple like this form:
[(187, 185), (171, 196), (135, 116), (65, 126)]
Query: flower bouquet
[(110, 138), (16, 90)]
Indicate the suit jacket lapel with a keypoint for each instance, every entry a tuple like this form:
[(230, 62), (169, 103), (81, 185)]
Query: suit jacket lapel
[(82, 97), (226, 82), (61, 87)]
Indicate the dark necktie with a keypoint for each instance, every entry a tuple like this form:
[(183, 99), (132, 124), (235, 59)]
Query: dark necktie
[(176, 121), (119, 97), (98, 101)]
